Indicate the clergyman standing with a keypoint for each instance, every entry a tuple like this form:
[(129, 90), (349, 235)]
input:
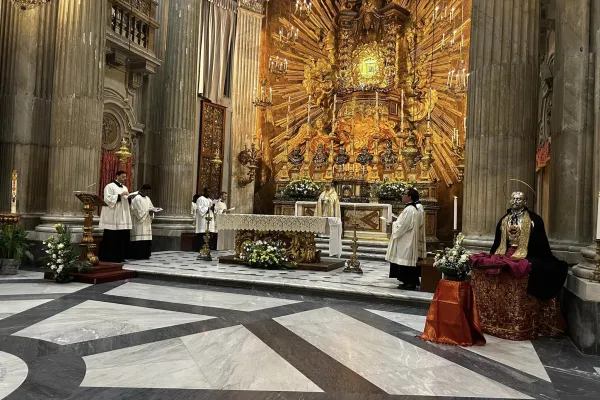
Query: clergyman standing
[(115, 219)]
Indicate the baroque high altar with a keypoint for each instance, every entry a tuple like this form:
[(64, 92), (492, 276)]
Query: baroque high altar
[(366, 91)]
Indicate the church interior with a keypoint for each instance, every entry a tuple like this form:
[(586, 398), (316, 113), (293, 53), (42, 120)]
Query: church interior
[(299, 199)]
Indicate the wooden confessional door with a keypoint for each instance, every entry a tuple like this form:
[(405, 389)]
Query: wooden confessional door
[(212, 137)]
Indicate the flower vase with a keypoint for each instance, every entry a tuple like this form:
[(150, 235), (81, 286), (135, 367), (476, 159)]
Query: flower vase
[(62, 278)]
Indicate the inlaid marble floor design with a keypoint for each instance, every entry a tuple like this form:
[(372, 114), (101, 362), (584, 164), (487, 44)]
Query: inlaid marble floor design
[(151, 339)]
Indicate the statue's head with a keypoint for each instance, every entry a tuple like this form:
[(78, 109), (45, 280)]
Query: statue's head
[(342, 150), (364, 150), (297, 151), (518, 201)]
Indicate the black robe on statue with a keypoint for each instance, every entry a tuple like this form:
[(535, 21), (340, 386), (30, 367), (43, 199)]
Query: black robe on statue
[(548, 273)]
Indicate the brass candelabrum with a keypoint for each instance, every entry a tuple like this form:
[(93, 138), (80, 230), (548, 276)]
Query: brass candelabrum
[(205, 251), (353, 265), (249, 159)]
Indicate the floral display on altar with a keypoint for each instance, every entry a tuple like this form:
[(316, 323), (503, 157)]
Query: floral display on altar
[(63, 257), (266, 254), (454, 262), (391, 190), (302, 189)]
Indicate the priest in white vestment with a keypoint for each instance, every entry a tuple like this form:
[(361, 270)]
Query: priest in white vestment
[(328, 204), (204, 207), (115, 219), (422, 234), (141, 218), (219, 208), (403, 249)]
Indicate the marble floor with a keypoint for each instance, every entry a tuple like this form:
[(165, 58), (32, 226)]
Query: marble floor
[(185, 265), (150, 339)]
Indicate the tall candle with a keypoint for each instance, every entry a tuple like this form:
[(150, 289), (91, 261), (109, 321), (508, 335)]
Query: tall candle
[(271, 94), (455, 225), (13, 193), (598, 219)]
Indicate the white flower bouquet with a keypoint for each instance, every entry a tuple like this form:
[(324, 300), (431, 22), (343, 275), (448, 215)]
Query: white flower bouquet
[(454, 262), (266, 254), (302, 189), (391, 190), (62, 255)]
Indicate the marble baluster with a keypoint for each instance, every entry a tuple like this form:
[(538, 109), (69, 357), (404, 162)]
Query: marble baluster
[(77, 104), (27, 43), (245, 79), (176, 139), (501, 110)]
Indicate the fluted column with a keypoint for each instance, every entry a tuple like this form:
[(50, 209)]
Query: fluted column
[(77, 103), (501, 110), (245, 78), (176, 139), (27, 40), (571, 159)]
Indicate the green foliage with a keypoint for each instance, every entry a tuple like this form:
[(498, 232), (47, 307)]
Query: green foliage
[(454, 261), (13, 243)]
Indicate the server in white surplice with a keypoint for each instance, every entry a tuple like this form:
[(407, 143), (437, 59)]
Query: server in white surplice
[(115, 219), (141, 218)]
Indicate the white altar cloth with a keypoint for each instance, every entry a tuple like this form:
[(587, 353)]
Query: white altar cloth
[(282, 223)]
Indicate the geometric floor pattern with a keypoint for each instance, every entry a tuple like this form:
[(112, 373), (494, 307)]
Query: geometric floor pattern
[(150, 339)]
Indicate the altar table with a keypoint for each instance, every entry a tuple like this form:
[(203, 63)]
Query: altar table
[(368, 217), (297, 233)]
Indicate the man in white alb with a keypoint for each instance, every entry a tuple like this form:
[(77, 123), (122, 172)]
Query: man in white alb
[(203, 208), (219, 207), (403, 249), (141, 217), (115, 219)]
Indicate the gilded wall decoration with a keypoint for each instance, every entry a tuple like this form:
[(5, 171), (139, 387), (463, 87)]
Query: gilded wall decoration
[(387, 76)]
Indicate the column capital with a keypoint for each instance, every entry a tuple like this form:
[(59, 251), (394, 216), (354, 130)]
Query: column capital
[(252, 5)]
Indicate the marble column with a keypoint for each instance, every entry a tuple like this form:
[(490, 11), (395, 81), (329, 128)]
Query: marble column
[(501, 111), (27, 40), (77, 104), (176, 138), (570, 225), (245, 79)]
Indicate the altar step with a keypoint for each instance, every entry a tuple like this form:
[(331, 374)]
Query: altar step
[(369, 250)]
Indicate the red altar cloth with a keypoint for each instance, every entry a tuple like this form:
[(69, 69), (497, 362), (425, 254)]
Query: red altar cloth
[(452, 316)]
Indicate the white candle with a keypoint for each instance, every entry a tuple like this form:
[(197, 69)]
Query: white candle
[(271, 94), (465, 124), (13, 193), (598, 219), (455, 225)]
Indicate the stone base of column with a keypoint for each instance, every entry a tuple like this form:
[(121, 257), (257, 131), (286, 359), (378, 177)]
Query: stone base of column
[(581, 305), (585, 269), (167, 230), (568, 251), (478, 244)]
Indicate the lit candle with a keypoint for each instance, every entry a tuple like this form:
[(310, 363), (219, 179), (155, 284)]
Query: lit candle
[(598, 219), (271, 94), (455, 225)]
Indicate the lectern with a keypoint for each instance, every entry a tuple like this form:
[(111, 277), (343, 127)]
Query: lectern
[(90, 202)]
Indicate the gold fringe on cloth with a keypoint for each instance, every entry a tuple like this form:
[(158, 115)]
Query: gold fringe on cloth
[(508, 312)]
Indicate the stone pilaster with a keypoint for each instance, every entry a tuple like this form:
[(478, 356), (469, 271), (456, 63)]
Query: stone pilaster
[(77, 103), (501, 110), (175, 140), (570, 225), (27, 41), (245, 78)]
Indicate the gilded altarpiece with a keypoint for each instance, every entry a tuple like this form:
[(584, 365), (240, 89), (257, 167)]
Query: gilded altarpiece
[(212, 137)]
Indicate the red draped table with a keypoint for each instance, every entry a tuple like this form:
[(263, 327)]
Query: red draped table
[(452, 317)]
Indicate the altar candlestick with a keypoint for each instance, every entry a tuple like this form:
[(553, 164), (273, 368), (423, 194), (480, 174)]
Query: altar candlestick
[(455, 224), (598, 219), (13, 193)]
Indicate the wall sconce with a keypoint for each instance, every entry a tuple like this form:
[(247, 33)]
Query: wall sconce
[(249, 159)]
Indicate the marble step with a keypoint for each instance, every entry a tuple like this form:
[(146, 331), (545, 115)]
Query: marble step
[(361, 243)]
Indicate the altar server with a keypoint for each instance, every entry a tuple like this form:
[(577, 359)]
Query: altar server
[(204, 207), (115, 219), (141, 217), (403, 248), (194, 205)]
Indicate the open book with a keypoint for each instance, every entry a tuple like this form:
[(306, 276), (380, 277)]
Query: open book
[(387, 221), (156, 209)]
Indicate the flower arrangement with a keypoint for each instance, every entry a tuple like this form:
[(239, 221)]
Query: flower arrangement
[(63, 256), (302, 189), (266, 254), (391, 190), (454, 262), (14, 247)]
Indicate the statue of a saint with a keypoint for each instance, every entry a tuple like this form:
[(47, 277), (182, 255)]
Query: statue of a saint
[(367, 22), (342, 157), (389, 158), (328, 204), (320, 158), (364, 158), (296, 158)]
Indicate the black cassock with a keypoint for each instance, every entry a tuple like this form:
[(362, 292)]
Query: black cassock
[(548, 273)]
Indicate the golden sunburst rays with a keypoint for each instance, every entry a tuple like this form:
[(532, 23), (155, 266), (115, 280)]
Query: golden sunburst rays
[(442, 46)]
